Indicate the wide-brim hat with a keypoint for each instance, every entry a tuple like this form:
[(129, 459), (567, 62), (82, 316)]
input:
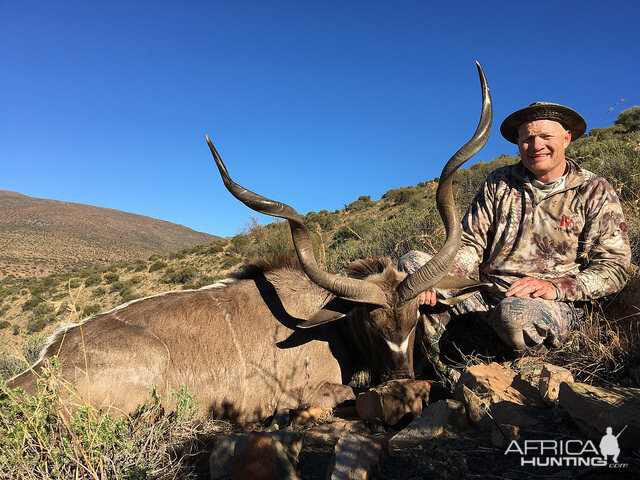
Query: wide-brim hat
[(569, 118)]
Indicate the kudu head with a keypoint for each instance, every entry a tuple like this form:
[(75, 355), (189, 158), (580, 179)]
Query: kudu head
[(374, 292)]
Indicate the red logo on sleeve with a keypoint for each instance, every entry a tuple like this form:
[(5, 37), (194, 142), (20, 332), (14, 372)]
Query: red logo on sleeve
[(623, 227), (565, 221)]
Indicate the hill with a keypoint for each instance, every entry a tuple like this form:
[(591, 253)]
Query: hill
[(40, 236)]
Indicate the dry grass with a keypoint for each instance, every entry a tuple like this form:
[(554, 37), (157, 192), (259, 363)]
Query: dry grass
[(45, 436)]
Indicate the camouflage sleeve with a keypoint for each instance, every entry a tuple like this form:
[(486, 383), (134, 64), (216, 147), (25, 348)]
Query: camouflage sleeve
[(606, 249), (475, 229)]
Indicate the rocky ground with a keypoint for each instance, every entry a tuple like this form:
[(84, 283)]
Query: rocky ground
[(498, 423)]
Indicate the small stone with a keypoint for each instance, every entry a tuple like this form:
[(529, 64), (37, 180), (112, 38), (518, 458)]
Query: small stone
[(550, 379), (310, 416), (434, 420), (259, 455), (502, 435), (358, 458), (331, 432), (392, 401), (224, 453), (264, 459)]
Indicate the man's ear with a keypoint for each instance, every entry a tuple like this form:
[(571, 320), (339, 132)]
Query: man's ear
[(567, 138)]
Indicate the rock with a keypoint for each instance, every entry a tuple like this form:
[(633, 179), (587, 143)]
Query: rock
[(432, 422), (550, 379), (330, 432), (594, 409), (500, 384), (224, 454), (257, 455), (310, 416), (475, 407), (358, 458), (393, 400), (503, 434), (494, 394)]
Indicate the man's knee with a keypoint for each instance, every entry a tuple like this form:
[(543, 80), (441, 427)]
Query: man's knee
[(524, 323)]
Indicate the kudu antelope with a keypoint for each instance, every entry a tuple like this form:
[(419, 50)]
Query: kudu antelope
[(272, 336)]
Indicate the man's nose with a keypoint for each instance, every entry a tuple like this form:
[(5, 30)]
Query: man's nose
[(538, 143)]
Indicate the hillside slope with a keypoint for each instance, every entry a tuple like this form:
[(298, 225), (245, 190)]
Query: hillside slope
[(40, 236)]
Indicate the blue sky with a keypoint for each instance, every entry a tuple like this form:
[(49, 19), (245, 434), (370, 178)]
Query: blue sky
[(310, 103)]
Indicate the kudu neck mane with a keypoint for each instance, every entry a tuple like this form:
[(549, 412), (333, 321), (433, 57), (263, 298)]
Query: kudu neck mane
[(360, 269)]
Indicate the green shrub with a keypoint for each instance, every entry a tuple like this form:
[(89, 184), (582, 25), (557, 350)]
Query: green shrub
[(93, 279), (183, 275), (401, 195), (98, 292), (129, 295), (41, 316), (111, 277), (323, 218), (229, 261), (629, 119), (91, 310), (10, 366), (205, 280), (177, 255), (32, 303), (158, 265), (214, 247), (361, 203)]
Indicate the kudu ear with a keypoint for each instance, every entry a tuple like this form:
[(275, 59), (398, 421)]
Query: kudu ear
[(452, 290), (333, 310)]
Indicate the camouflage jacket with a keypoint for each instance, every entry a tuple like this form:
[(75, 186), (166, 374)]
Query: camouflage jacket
[(575, 237)]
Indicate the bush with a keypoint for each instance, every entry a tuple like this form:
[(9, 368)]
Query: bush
[(111, 277), (323, 218), (360, 204), (158, 265), (229, 261), (629, 119), (91, 310), (205, 280), (4, 324), (93, 279), (183, 275), (32, 303), (98, 292), (177, 255), (214, 247), (400, 196), (10, 366)]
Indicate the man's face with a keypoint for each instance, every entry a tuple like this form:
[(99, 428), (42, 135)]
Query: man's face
[(542, 144)]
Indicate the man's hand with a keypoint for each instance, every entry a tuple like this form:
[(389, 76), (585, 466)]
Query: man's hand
[(428, 298), (532, 287)]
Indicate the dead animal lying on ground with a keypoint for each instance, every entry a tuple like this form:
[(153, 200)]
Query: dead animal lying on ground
[(273, 336)]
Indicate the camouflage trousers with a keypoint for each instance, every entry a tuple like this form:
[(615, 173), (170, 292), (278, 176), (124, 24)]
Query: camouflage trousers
[(521, 323)]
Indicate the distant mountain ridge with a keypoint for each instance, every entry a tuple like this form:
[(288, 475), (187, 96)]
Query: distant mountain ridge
[(41, 236)]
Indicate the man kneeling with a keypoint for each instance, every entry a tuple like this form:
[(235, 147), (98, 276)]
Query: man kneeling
[(545, 232)]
